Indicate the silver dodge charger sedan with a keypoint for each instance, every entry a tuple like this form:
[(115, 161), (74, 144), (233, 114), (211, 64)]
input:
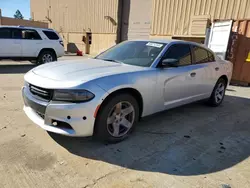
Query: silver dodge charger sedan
[(106, 96)]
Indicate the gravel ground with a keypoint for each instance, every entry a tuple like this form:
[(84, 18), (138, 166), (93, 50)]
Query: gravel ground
[(191, 146)]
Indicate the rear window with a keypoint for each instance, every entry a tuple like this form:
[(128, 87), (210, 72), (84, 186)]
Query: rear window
[(201, 55), (51, 35), (210, 56)]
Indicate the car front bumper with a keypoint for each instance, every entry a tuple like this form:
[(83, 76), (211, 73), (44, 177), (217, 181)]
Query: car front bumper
[(79, 117)]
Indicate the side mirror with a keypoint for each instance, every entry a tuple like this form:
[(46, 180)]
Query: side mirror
[(170, 62)]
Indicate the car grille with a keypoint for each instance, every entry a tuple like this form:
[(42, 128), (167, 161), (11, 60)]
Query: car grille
[(41, 92)]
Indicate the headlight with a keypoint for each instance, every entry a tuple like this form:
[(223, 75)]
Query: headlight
[(73, 95)]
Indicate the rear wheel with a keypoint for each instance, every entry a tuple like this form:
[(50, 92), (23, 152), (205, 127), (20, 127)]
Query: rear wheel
[(218, 93), (116, 118), (46, 56)]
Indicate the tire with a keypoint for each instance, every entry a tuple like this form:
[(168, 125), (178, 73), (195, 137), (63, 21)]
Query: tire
[(218, 94), (109, 132), (46, 56)]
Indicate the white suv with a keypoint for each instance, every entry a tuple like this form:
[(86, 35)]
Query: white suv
[(37, 45)]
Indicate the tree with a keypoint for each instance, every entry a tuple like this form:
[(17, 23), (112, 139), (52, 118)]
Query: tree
[(18, 15)]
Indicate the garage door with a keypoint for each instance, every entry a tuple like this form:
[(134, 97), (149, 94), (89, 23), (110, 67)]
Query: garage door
[(139, 19)]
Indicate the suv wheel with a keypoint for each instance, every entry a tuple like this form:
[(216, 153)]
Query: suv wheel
[(46, 57), (116, 119)]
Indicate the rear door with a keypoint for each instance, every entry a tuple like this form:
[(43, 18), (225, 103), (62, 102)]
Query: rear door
[(206, 69), (10, 43)]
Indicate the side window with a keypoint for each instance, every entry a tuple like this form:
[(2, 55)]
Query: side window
[(200, 55), (210, 56), (51, 35), (16, 34), (30, 34), (5, 33), (180, 52)]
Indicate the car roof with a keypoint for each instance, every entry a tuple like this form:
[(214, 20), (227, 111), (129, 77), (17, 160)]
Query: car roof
[(166, 41), (24, 27), (169, 41)]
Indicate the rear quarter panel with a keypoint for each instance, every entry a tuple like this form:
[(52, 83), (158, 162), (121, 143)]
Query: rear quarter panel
[(47, 43), (226, 68)]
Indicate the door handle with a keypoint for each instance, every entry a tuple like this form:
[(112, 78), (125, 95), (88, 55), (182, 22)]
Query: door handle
[(193, 74), (217, 68)]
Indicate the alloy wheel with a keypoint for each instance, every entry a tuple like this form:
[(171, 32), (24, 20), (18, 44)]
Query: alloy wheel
[(219, 93), (47, 58), (120, 119)]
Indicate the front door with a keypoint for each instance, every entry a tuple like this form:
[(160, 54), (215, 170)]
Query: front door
[(178, 83)]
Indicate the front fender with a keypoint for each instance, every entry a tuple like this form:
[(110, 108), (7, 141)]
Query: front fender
[(144, 82)]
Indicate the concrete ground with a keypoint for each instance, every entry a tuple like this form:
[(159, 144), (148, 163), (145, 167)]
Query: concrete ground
[(190, 146)]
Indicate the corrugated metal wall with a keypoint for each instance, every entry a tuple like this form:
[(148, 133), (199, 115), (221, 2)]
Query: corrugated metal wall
[(71, 18), (173, 17), (139, 19), (77, 15)]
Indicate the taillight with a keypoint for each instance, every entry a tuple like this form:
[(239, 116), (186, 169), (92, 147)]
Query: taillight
[(61, 42)]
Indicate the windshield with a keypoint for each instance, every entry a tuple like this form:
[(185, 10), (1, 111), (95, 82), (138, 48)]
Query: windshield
[(138, 53)]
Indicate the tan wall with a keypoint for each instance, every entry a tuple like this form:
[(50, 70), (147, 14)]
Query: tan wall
[(174, 17), (71, 18), (13, 21), (73, 42), (77, 15), (200, 40), (160, 37), (101, 42)]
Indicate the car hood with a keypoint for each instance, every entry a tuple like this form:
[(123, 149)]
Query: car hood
[(82, 70)]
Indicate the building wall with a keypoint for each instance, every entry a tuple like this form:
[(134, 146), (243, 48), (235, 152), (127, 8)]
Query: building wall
[(77, 15), (175, 17), (101, 42), (13, 21), (74, 17)]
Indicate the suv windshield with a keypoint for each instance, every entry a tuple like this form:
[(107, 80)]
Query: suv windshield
[(138, 53)]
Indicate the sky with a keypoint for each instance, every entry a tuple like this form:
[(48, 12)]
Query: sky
[(9, 7)]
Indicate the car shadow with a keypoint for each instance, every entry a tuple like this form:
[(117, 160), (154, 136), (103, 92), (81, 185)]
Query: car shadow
[(15, 68), (190, 140)]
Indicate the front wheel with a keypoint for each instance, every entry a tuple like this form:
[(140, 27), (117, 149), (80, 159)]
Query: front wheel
[(116, 118), (46, 57), (218, 93)]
